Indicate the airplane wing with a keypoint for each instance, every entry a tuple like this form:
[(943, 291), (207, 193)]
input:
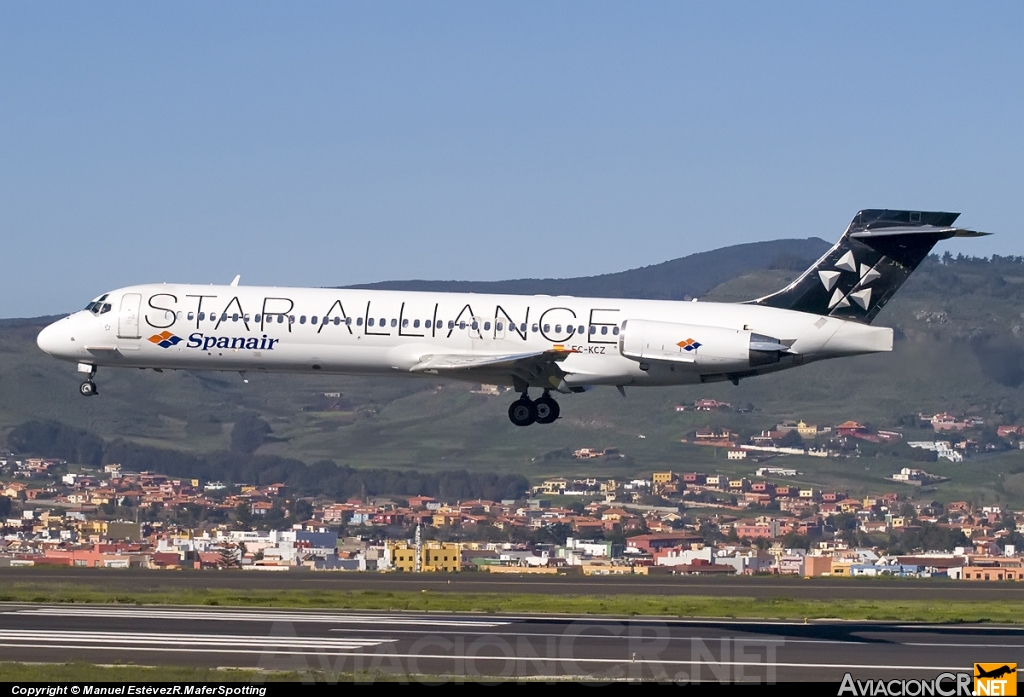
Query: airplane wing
[(535, 368)]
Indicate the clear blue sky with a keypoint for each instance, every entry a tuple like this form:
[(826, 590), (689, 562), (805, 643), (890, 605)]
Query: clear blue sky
[(335, 143)]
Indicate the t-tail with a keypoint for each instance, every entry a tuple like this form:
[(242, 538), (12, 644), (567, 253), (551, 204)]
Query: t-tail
[(858, 276)]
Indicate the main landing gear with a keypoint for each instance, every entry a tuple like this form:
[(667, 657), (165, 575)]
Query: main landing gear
[(525, 411), (88, 388)]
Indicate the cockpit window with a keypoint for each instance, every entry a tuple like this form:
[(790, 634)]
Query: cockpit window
[(97, 306)]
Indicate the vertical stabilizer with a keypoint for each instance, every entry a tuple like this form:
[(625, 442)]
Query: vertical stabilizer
[(875, 255)]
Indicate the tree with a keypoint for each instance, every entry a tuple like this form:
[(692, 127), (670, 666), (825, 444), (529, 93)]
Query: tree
[(229, 558), (249, 433), (243, 515), (302, 509), (792, 439)]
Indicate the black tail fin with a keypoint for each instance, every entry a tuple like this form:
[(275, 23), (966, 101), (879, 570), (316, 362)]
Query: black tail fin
[(856, 278)]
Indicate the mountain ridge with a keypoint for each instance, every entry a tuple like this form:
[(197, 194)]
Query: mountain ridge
[(677, 279)]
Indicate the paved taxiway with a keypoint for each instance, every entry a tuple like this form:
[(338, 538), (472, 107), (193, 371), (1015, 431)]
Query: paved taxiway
[(510, 646), (128, 580)]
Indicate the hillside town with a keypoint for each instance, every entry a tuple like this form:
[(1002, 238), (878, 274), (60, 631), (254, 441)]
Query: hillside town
[(671, 522), (948, 437)]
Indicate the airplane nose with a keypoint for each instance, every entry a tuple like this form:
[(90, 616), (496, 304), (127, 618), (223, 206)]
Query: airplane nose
[(52, 340)]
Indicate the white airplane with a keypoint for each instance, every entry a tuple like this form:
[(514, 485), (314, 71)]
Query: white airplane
[(562, 344)]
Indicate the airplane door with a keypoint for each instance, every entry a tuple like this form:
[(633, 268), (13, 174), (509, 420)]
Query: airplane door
[(499, 327), (128, 317)]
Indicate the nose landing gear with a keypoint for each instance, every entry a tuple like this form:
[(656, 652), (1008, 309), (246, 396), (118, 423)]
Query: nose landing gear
[(88, 388), (524, 411)]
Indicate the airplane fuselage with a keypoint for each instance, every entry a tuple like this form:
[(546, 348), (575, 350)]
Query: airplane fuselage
[(369, 332)]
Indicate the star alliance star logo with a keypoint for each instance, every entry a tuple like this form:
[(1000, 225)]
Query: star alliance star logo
[(859, 294), (165, 339)]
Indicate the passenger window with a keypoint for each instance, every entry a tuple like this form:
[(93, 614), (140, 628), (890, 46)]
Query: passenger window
[(224, 317), (291, 319), (280, 319), (234, 317), (522, 328), (348, 321), (179, 316), (534, 328), (245, 317), (302, 319), (337, 321), (451, 324), (191, 316), (359, 321), (615, 331), (547, 327), (487, 326), (474, 325), (369, 322), (383, 322), (394, 323), (499, 326), (405, 323), (462, 325), (558, 329), (426, 324), (582, 329), (312, 320), (604, 330), (593, 330), (202, 316)]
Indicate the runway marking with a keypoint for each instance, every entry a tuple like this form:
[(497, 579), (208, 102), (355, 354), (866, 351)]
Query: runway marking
[(256, 616), (780, 641), (188, 642), (546, 635), (969, 646), (957, 627), (184, 649)]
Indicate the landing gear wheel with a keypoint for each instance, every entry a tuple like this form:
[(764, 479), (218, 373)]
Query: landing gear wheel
[(88, 389), (547, 410), (523, 412)]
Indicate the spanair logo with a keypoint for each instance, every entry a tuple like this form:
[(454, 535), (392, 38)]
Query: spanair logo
[(688, 345), (995, 679), (165, 339)]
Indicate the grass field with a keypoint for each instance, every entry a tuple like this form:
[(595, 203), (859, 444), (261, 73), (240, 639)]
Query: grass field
[(88, 672), (519, 603), (11, 672)]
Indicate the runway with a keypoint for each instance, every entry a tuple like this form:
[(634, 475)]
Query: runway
[(336, 645)]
